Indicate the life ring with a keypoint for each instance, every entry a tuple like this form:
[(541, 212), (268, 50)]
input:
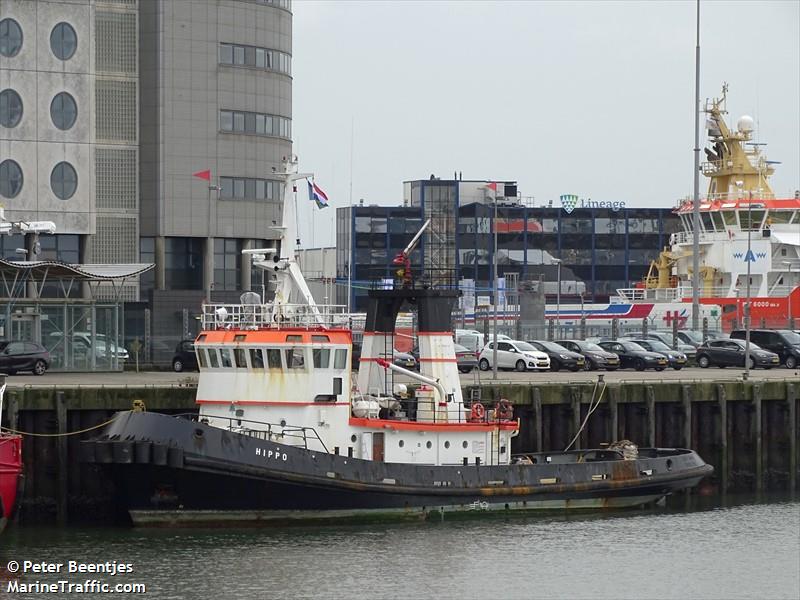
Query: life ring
[(477, 412), (504, 410)]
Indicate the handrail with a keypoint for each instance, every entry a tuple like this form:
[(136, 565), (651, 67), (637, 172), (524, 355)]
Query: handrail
[(285, 430)]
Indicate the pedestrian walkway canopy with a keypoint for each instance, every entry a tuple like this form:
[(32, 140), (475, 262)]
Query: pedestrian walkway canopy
[(14, 274)]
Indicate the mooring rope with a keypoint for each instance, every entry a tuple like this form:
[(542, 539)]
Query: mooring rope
[(31, 434), (592, 408)]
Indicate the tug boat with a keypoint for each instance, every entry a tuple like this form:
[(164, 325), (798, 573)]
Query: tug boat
[(10, 466), (284, 432)]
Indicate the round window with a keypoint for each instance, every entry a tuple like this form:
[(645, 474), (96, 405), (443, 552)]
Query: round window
[(10, 178), (428, 445), (447, 444), (63, 111), (401, 443), (10, 38), (10, 108), (64, 180), (353, 438), (464, 444), (63, 41)]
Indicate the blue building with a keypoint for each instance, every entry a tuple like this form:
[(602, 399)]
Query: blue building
[(602, 246)]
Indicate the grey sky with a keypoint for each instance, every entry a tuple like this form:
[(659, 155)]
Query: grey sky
[(589, 98)]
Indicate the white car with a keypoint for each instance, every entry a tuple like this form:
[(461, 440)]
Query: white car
[(512, 354)]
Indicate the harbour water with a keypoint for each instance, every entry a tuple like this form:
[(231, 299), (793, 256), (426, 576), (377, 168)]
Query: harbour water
[(703, 548)]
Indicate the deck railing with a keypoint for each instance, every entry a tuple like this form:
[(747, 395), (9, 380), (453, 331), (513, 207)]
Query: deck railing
[(269, 316)]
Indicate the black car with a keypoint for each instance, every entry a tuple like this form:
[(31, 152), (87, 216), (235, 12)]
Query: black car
[(677, 360), (783, 342), (596, 357), (23, 356), (560, 357), (730, 353), (185, 358), (632, 355)]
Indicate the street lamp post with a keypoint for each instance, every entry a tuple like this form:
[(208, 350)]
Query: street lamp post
[(494, 298), (747, 303), (790, 318), (558, 297)]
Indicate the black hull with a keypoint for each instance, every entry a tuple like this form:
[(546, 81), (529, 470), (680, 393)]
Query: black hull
[(167, 468)]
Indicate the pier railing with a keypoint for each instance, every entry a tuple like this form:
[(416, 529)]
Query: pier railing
[(272, 432)]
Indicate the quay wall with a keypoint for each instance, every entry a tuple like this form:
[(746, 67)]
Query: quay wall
[(748, 430)]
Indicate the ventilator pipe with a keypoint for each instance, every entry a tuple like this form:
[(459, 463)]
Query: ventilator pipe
[(414, 375)]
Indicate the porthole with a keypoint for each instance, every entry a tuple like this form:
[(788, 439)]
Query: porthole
[(10, 178), (464, 444), (428, 445), (401, 443), (64, 180), (63, 41), (63, 111), (10, 108), (447, 444), (353, 438), (10, 38)]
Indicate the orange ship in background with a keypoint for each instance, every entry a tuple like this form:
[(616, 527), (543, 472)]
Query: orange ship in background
[(742, 222)]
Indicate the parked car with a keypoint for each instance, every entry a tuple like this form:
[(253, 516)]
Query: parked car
[(665, 337), (18, 356), (512, 354), (677, 360), (731, 353), (632, 355), (404, 359), (783, 342), (82, 343), (466, 359), (595, 356), (185, 358), (560, 357)]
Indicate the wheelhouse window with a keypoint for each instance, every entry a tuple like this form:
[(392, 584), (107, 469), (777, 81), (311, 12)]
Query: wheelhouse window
[(225, 358), (295, 358), (213, 360), (340, 359), (201, 358), (256, 358), (322, 358), (273, 358), (240, 356)]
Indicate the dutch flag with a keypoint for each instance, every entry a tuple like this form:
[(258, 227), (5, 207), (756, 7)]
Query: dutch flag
[(316, 194)]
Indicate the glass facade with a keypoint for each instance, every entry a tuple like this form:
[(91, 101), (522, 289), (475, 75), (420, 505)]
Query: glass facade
[(602, 248), (227, 264), (184, 263)]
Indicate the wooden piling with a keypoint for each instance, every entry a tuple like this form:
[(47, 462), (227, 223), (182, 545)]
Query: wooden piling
[(791, 400), (687, 416), (651, 416), (12, 409), (537, 418), (61, 459), (723, 469), (756, 434), (613, 421), (575, 401)]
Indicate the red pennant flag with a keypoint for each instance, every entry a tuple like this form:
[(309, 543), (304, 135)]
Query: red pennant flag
[(492, 186), (203, 175)]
